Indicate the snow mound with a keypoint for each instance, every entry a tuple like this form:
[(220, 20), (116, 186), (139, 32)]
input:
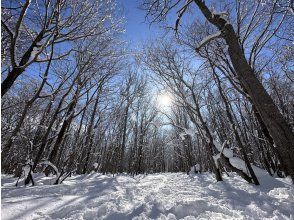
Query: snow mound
[(157, 196)]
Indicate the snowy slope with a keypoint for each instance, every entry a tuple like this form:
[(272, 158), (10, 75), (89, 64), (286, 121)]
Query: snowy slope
[(156, 196)]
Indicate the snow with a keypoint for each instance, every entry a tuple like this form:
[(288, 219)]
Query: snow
[(194, 169), (224, 14), (95, 165), (221, 148), (207, 39), (34, 54), (25, 172), (46, 162), (156, 196), (197, 167), (182, 136), (190, 132), (186, 132), (235, 161)]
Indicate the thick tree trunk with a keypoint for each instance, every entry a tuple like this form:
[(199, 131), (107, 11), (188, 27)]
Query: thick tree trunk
[(274, 121), (44, 140), (66, 123), (270, 140), (53, 155), (18, 70), (277, 126), (10, 79)]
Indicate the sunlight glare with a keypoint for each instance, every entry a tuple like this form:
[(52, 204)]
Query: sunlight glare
[(164, 100)]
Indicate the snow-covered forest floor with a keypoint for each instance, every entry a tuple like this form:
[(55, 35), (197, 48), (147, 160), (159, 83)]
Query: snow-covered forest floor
[(153, 196)]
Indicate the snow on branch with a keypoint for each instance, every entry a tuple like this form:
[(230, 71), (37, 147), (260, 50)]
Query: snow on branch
[(181, 12), (48, 163), (227, 157), (26, 176), (187, 132), (207, 40), (224, 14), (223, 150)]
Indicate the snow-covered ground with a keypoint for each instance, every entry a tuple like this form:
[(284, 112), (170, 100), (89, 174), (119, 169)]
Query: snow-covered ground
[(156, 196)]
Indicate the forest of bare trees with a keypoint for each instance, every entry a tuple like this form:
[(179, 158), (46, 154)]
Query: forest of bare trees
[(76, 99)]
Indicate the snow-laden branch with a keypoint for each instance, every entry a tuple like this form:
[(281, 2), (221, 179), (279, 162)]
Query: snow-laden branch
[(26, 176), (224, 14), (208, 39), (181, 13), (223, 150), (187, 132), (48, 163)]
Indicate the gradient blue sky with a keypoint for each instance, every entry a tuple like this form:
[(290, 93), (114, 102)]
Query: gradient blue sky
[(137, 29)]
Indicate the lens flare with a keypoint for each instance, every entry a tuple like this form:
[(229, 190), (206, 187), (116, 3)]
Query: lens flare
[(164, 100)]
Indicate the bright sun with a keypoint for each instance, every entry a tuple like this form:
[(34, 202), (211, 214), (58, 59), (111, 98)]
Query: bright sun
[(164, 100)]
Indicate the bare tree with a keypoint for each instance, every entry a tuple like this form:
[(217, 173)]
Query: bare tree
[(272, 118), (47, 22)]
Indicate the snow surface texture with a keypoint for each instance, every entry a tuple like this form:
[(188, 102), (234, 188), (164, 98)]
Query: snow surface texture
[(155, 196)]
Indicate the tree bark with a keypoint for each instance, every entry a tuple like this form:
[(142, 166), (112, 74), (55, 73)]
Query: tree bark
[(123, 144), (226, 162), (272, 118), (9, 80), (233, 126)]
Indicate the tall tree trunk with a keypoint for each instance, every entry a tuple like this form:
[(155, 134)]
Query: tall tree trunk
[(18, 70), (123, 144), (233, 126), (67, 121), (51, 123), (209, 144), (277, 126), (10, 79), (28, 105)]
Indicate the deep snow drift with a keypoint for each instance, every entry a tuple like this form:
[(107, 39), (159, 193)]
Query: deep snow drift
[(156, 196)]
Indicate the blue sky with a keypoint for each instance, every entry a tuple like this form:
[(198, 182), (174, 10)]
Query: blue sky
[(137, 29)]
